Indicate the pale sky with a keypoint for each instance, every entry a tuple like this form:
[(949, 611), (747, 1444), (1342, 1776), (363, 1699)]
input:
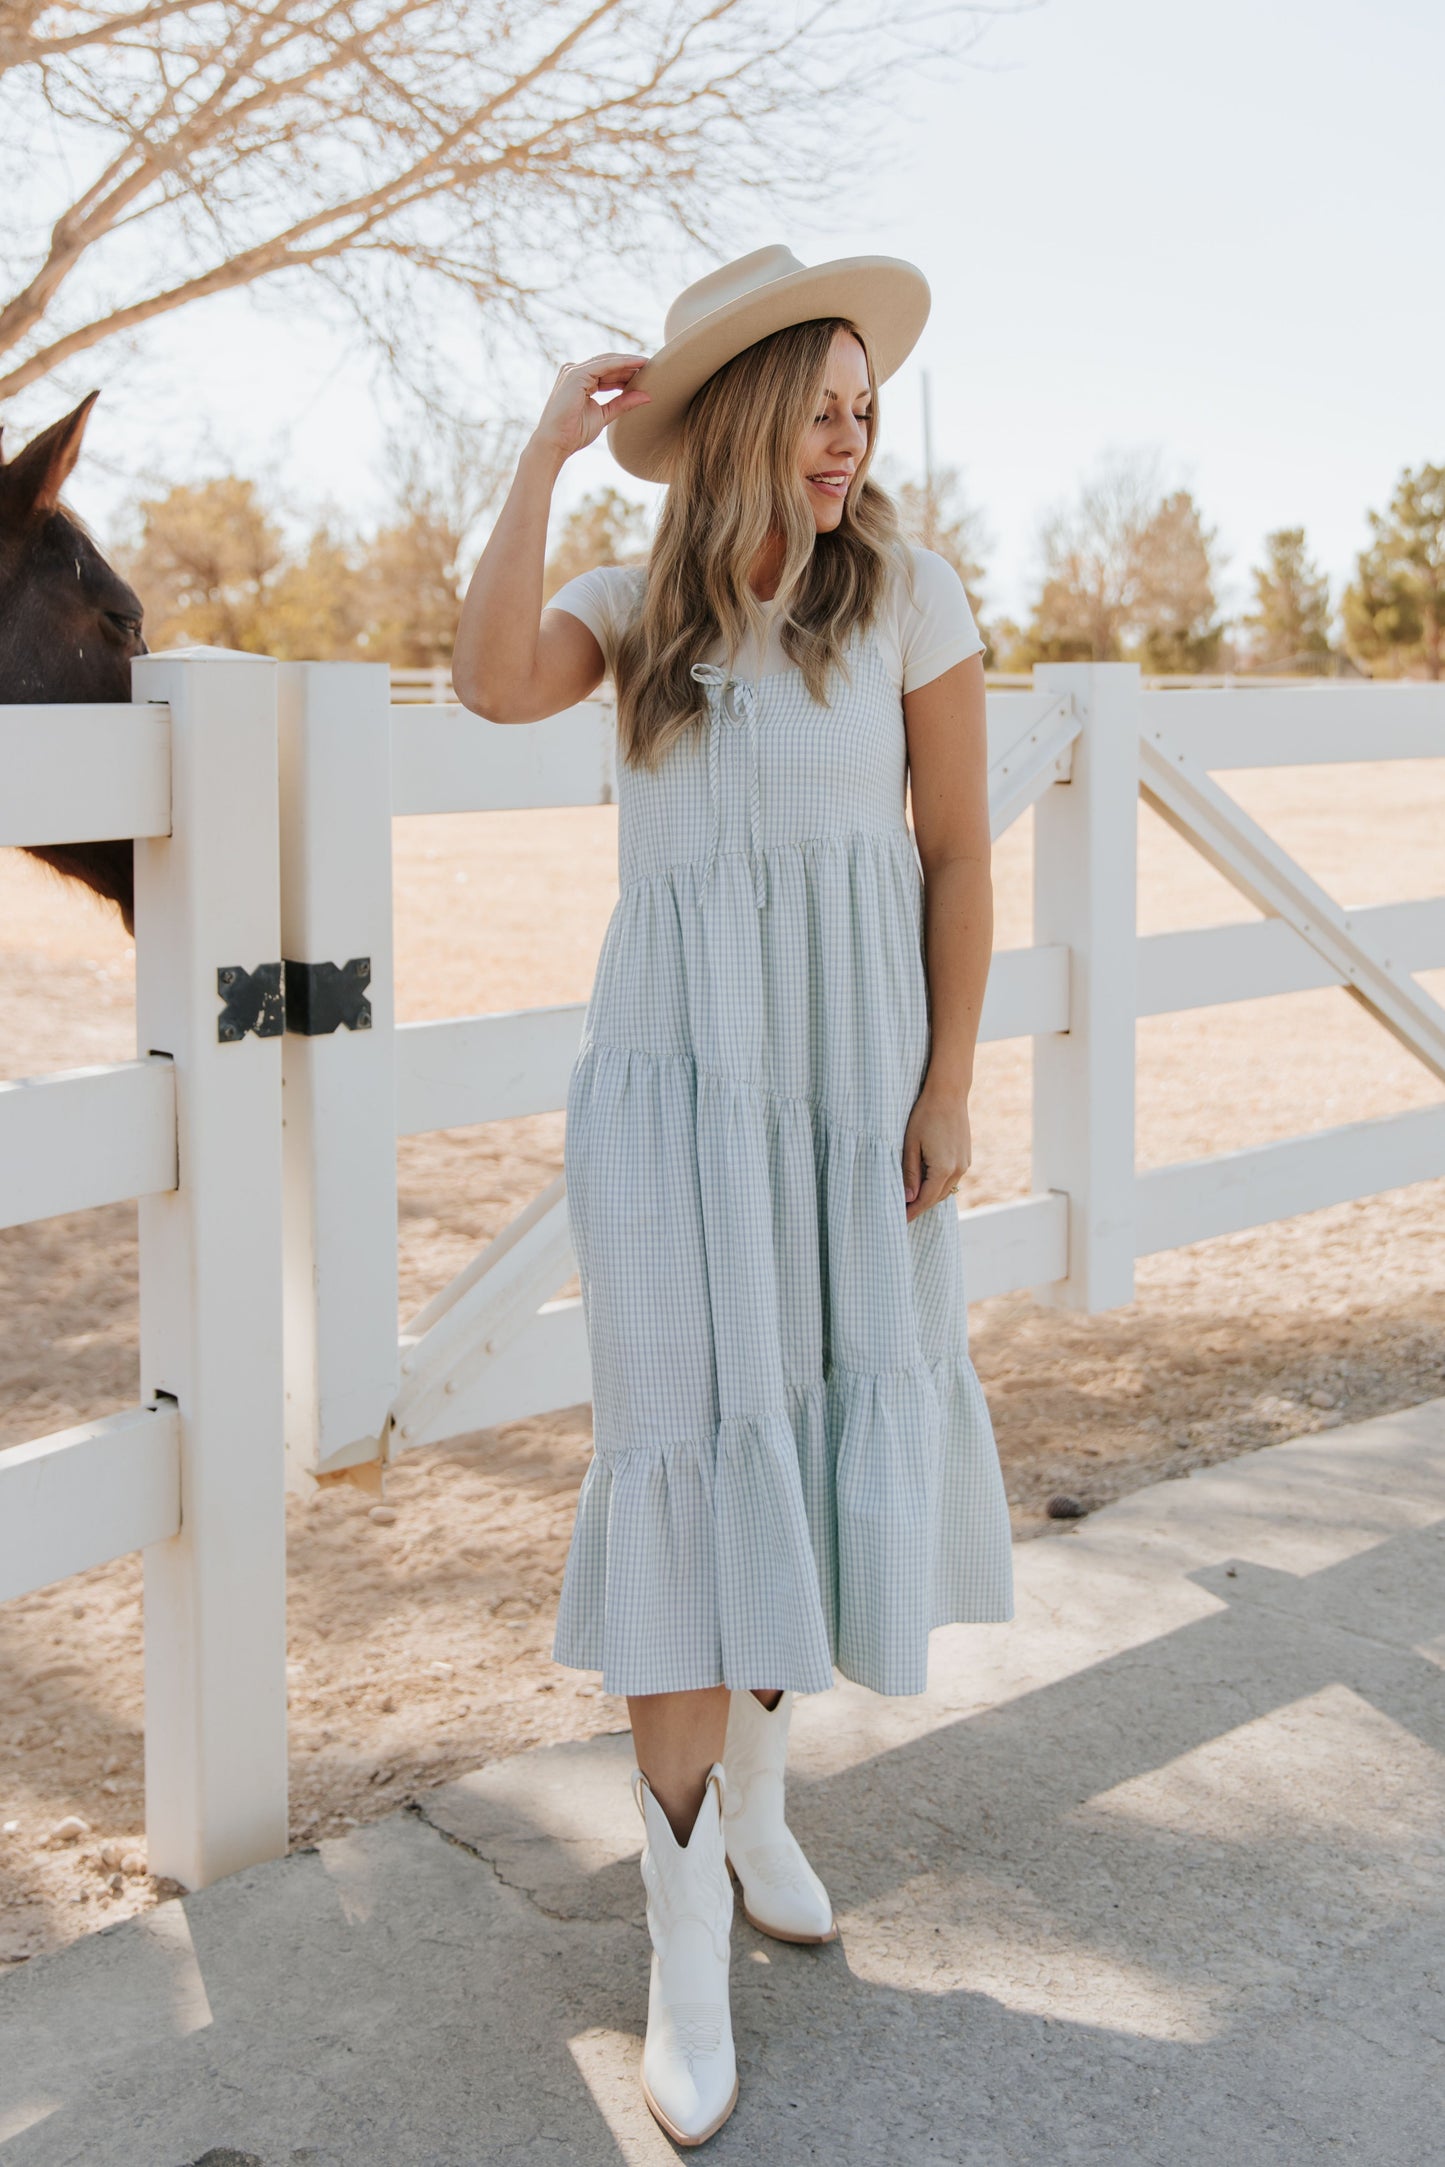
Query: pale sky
[(1207, 230)]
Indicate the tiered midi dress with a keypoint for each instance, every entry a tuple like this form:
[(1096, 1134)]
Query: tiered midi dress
[(794, 1466)]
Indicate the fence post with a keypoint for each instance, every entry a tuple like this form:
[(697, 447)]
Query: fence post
[(210, 1275), (1085, 888), (340, 1078)]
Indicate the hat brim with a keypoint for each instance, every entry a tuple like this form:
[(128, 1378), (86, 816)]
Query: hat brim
[(886, 297)]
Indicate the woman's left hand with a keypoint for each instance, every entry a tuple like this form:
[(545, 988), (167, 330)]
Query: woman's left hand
[(937, 1148)]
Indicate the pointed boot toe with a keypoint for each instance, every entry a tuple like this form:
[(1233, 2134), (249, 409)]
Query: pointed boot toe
[(689, 2070), (689, 2083), (782, 1895)]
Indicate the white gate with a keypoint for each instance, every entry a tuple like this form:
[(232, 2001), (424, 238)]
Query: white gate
[(266, 1166), (192, 1476), (1079, 747)]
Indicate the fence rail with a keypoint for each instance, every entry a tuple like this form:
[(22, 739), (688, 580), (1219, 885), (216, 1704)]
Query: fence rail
[(85, 774), (262, 798), (194, 1476), (88, 1137), (432, 684)]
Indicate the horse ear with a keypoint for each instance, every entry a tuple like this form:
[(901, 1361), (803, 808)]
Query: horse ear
[(35, 477)]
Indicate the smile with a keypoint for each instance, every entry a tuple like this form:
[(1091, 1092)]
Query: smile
[(832, 485)]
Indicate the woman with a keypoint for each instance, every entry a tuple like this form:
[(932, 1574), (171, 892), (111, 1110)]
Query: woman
[(794, 1466)]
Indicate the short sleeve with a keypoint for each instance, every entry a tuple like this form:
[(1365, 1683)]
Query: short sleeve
[(602, 599), (937, 628)]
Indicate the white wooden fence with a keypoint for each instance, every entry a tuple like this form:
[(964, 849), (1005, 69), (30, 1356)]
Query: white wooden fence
[(428, 683), (193, 1475), (432, 682), (236, 872)]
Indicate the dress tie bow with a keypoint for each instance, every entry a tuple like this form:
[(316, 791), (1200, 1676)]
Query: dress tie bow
[(733, 700)]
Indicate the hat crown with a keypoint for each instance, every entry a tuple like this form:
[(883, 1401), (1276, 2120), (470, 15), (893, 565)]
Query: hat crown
[(735, 306), (729, 283)]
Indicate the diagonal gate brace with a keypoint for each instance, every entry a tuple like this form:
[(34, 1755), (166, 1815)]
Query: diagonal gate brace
[(1032, 764), (449, 1344), (1222, 832)]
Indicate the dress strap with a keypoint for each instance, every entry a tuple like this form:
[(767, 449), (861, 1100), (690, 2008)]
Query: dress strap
[(733, 700)]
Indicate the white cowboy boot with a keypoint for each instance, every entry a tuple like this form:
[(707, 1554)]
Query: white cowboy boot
[(782, 1895), (689, 2075)]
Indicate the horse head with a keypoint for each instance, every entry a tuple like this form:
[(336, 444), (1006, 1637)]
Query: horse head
[(69, 624)]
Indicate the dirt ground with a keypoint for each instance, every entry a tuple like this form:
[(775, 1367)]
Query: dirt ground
[(418, 1648)]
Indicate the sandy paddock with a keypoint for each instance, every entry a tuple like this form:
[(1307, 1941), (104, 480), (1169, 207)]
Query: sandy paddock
[(419, 1647)]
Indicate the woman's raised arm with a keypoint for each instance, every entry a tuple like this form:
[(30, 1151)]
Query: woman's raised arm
[(508, 664)]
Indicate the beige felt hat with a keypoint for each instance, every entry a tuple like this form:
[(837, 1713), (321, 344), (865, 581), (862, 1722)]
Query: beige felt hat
[(744, 301)]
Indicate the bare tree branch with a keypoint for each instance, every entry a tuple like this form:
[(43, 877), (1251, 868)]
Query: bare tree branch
[(496, 149), (20, 44)]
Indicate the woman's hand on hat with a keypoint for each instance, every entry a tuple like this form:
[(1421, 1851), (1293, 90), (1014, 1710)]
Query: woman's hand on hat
[(573, 417)]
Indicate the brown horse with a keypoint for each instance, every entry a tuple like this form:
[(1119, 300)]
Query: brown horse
[(69, 624)]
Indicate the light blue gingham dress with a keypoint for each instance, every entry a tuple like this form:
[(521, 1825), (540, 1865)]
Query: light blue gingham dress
[(793, 1461)]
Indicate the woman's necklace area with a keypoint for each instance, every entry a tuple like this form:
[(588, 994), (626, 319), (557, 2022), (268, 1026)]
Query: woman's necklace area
[(758, 658)]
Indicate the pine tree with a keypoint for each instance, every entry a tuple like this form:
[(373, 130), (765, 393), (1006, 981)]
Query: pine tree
[(1177, 625), (1289, 626), (1394, 608)]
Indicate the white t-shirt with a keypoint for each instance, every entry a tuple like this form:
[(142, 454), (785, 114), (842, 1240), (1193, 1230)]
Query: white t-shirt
[(919, 638)]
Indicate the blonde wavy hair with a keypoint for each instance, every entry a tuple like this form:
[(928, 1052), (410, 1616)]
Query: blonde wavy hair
[(734, 482)]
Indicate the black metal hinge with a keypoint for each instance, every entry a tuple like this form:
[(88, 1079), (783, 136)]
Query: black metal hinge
[(321, 996), (253, 1002)]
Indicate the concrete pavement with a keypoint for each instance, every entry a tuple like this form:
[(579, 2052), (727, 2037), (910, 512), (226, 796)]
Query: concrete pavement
[(1154, 1876)]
